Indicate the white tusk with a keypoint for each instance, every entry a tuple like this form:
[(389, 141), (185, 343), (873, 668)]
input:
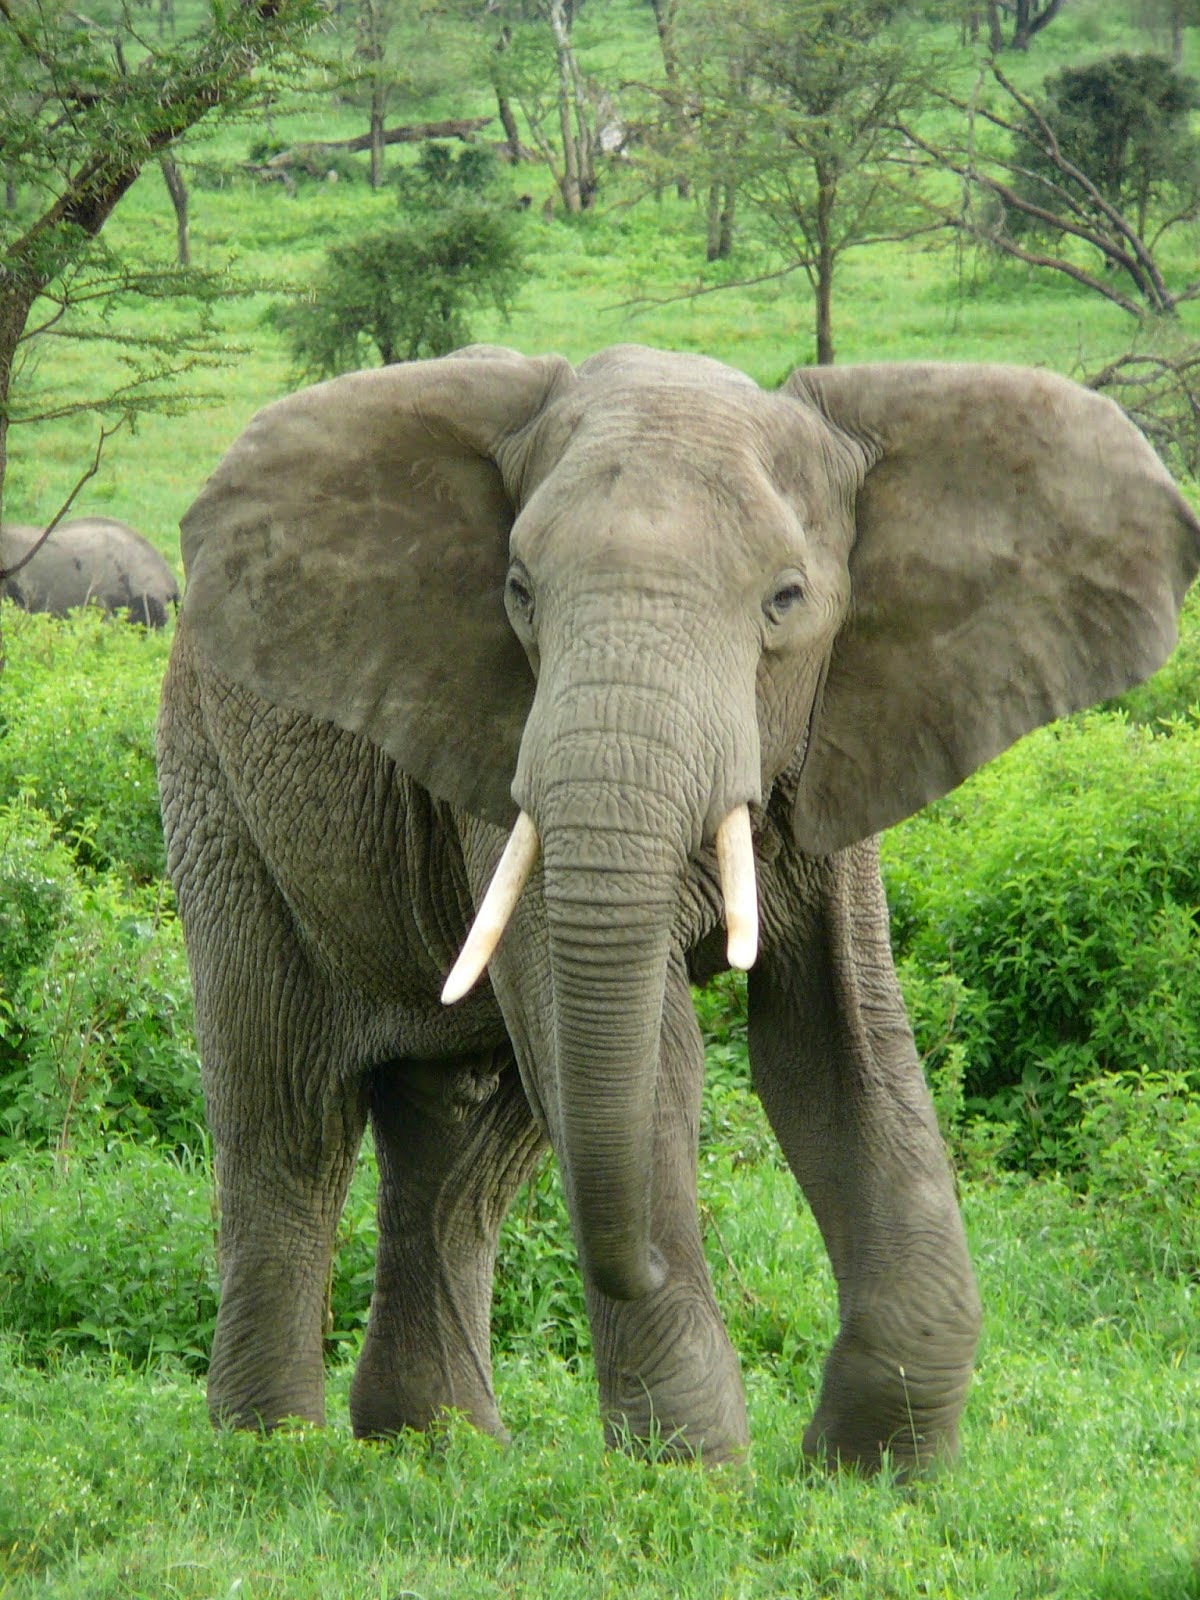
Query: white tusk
[(735, 863), (510, 877)]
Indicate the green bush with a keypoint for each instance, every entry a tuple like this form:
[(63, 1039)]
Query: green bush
[(111, 1252), (95, 1004), (78, 699), (1139, 1137), (1058, 892), (409, 290)]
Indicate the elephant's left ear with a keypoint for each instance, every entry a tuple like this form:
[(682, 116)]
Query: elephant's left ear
[(1020, 552)]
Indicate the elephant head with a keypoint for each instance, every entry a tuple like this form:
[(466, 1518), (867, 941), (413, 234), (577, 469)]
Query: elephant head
[(618, 605)]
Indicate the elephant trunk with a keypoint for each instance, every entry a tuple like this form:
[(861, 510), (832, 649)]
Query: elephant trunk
[(610, 943)]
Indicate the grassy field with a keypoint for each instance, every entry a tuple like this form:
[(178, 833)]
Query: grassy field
[(1080, 1471), (1080, 1476)]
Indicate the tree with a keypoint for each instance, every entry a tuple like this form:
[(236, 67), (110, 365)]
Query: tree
[(1125, 120), (1029, 17), (533, 64), (795, 105), (1052, 220), (395, 55), (1168, 18), (404, 292), (89, 101)]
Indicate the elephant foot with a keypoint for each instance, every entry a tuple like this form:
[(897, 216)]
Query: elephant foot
[(874, 1412), (261, 1408), (670, 1385), (387, 1399)]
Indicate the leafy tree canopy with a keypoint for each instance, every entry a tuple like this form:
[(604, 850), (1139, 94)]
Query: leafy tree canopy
[(1125, 122), (88, 100)]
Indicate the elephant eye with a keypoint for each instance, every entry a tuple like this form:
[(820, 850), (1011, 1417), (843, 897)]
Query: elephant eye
[(782, 599), (519, 596)]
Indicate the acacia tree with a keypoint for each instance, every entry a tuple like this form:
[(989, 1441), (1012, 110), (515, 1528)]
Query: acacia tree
[(395, 55), (1125, 120), (89, 101), (795, 104)]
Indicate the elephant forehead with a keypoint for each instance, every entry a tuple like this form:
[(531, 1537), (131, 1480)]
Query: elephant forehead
[(626, 511)]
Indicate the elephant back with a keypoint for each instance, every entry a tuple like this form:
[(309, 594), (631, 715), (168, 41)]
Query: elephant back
[(90, 561)]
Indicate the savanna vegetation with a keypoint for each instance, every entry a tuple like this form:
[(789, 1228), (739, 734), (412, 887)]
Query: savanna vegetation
[(688, 177)]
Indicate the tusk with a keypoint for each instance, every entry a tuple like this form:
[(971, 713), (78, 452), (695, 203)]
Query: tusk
[(510, 877), (735, 863)]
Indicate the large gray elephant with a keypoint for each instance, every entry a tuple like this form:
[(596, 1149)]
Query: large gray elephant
[(694, 644), (89, 561)]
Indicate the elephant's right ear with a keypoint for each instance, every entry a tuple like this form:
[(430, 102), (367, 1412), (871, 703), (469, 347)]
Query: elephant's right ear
[(347, 559)]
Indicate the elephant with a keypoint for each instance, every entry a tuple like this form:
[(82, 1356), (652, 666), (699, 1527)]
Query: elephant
[(508, 699), (89, 561)]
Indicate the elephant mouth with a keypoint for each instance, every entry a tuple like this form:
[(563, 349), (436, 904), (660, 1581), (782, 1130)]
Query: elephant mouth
[(739, 889)]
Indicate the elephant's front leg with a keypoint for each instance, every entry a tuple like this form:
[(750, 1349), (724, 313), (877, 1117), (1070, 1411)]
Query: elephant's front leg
[(835, 1065), (454, 1141), (666, 1369)]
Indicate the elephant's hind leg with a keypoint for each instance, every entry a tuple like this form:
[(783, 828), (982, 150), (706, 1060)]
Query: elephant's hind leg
[(454, 1141)]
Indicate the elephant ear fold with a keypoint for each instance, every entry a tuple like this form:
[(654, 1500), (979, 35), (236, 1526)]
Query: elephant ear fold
[(1019, 553), (347, 559)]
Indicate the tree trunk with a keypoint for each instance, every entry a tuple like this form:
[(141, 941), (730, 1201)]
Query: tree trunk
[(512, 133), (508, 118), (826, 197), (664, 21), (571, 182), (995, 32), (1031, 21), (177, 189), (377, 139)]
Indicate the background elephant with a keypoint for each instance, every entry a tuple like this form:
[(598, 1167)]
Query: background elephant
[(653, 615), (89, 561)]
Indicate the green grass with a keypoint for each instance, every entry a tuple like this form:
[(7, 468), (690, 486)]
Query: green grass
[(1080, 1475)]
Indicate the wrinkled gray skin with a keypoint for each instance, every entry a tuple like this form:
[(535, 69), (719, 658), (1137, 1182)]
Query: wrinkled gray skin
[(626, 597), (90, 561)]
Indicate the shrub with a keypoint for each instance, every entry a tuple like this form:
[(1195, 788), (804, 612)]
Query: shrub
[(95, 1005), (77, 733), (1058, 889), (406, 291), (1139, 1139), (1172, 695), (113, 1252)]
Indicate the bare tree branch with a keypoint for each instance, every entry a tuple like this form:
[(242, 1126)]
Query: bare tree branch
[(88, 474)]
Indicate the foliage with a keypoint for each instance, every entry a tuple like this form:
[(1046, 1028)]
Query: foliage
[(405, 292), (88, 101), (1171, 698), (1125, 121), (792, 111), (115, 1484), (112, 1253), (95, 1006), (77, 734), (1139, 1138), (1058, 888)]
